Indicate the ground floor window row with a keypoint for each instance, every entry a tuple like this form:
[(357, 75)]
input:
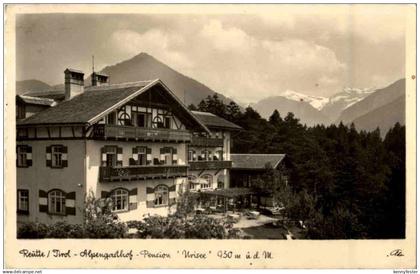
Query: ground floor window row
[(58, 202), (141, 156), (54, 201), (126, 199)]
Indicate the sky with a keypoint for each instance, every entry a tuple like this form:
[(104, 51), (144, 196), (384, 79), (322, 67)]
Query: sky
[(312, 49)]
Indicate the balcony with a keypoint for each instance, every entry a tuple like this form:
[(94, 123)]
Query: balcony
[(206, 142), (213, 165), (131, 173), (137, 133)]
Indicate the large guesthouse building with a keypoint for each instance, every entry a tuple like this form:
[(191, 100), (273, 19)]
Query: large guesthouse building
[(135, 143)]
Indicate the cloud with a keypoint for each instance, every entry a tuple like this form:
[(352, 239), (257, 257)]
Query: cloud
[(231, 61), (313, 49), (155, 42)]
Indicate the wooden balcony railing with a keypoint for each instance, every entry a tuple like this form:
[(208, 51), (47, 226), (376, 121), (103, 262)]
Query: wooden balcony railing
[(206, 142), (212, 165), (102, 131), (129, 173)]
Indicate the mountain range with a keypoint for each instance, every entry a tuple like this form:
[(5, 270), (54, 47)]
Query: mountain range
[(367, 108)]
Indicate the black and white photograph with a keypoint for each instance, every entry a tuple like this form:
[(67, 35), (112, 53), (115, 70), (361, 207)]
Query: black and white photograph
[(287, 126)]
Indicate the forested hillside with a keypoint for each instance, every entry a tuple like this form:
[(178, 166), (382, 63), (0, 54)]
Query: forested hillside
[(345, 184)]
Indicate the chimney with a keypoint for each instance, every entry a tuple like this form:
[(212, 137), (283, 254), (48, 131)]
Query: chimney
[(99, 79), (73, 83)]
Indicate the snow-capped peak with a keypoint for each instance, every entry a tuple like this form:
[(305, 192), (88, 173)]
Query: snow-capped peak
[(317, 102), (350, 96)]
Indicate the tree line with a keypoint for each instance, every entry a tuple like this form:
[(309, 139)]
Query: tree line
[(343, 183)]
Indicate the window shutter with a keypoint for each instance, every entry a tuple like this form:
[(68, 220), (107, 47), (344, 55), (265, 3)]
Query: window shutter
[(29, 155), (43, 201), (150, 197), (174, 156), (105, 194), (148, 156), (150, 204), (48, 156), (131, 162), (71, 203), (132, 199), (172, 195), (135, 150), (162, 150), (64, 156), (119, 156), (172, 201), (103, 156)]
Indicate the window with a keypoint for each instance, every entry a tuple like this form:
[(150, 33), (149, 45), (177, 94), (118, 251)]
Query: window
[(22, 153), (204, 156), (206, 181), (221, 181), (167, 123), (218, 155), (161, 195), (140, 156), (56, 156), (111, 156), (157, 122), (168, 156), (192, 181), (111, 118), (23, 201), (56, 202), (140, 119), (119, 199), (124, 119), (191, 155)]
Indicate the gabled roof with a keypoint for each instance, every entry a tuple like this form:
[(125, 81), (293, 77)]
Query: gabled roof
[(256, 161), (96, 102), (213, 121), (36, 100)]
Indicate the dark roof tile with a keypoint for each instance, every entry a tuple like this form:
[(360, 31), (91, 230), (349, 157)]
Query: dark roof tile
[(255, 161), (84, 107), (213, 121)]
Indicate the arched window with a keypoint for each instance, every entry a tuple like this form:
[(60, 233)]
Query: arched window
[(157, 122), (206, 181), (192, 181), (57, 202), (124, 119), (161, 195), (119, 198)]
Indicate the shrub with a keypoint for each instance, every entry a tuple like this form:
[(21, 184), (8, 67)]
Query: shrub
[(104, 230), (63, 230), (204, 227), (32, 231)]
